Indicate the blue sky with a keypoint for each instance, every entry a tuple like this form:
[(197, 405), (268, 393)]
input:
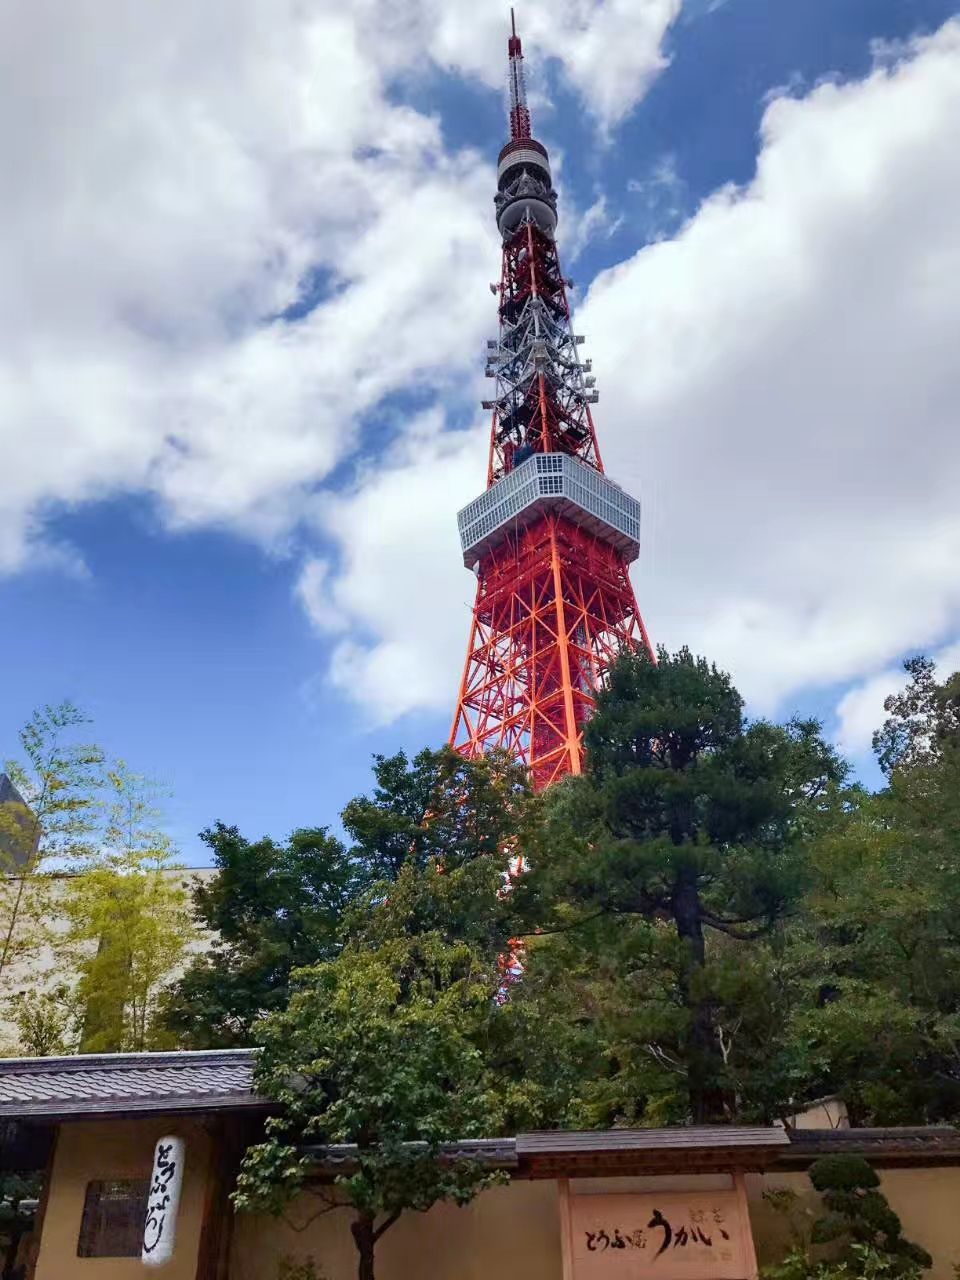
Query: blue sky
[(243, 350)]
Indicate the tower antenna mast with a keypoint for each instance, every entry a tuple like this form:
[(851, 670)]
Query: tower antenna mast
[(519, 112)]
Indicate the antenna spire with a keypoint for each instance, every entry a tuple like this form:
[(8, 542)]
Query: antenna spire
[(519, 113)]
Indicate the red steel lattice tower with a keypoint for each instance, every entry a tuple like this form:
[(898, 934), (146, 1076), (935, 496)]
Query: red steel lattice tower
[(552, 537)]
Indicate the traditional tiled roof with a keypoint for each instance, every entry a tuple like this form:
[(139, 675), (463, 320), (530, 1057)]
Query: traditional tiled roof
[(108, 1083), (552, 1142), (697, 1148), (558, 1152), (920, 1145)]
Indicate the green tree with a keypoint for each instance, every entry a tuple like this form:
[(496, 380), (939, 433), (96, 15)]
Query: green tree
[(379, 1049), (884, 1031), (130, 922), (51, 827), (271, 908), (404, 1042), (442, 833), (859, 1214), (681, 845), (438, 809), (274, 908), (45, 1020), (924, 721)]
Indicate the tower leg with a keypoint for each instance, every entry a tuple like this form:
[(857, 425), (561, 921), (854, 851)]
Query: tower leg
[(554, 608)]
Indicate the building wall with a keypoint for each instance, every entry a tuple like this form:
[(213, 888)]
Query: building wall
[(115, 1149), (515, 1230), (512, 1230), (827, 1113), (508, 1230)]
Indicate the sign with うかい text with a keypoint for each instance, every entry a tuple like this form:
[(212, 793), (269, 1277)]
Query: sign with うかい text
[(163, 1202), (651, 1235)]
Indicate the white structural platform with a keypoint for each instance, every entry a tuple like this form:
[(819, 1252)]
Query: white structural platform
[(550, 482)]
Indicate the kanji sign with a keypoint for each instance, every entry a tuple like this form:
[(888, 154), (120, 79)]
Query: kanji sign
[(649, 1235)]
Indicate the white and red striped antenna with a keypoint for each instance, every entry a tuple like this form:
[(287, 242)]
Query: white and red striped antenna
[(519, 112)]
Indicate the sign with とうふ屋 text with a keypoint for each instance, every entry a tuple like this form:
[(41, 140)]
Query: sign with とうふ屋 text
[(649, 1235)]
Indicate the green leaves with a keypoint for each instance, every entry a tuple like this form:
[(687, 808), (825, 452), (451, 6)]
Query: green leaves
[(859, 1215), (382, 1049), (431, 847), (883, 903), (129, 922), (663, 715), (437, 810), (271, 908), (127, 915)]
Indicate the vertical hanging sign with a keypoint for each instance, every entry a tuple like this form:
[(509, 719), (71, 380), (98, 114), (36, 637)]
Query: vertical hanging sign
[(163, 1202)]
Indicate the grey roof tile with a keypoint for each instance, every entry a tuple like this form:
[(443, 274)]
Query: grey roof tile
[(97, 1084), (589, 1142)]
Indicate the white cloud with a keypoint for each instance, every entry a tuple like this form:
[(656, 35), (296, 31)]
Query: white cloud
[(400, 592), (176, 173), (779, 383), (595, 223), (173, 173), (860, 711)]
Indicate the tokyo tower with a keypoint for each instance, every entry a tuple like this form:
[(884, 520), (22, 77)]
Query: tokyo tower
[(551, 537)]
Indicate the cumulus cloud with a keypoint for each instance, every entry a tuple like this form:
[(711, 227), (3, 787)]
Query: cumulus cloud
[(779, 383), (177, 174), (225, 242), (397, 599)]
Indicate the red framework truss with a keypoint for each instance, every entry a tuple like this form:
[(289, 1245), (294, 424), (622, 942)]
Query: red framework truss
[(554, 607)]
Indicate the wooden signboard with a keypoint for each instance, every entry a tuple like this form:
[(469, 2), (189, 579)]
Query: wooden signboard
[(653, 1235)]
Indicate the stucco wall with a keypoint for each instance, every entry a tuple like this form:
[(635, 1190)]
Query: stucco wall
[(111, 1150), (828, 1113), (515, 1230), (507, 1231)]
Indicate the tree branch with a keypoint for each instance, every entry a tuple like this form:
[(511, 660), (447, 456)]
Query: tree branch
[(729, 927), (328, 1206), (564, 928), (665, 1059), (386, 1224)]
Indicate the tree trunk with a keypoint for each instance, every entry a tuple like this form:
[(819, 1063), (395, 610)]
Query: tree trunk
[(704, 1059), (363, 1236)]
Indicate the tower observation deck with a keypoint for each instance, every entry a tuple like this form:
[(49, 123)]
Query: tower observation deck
[(552, 536)]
